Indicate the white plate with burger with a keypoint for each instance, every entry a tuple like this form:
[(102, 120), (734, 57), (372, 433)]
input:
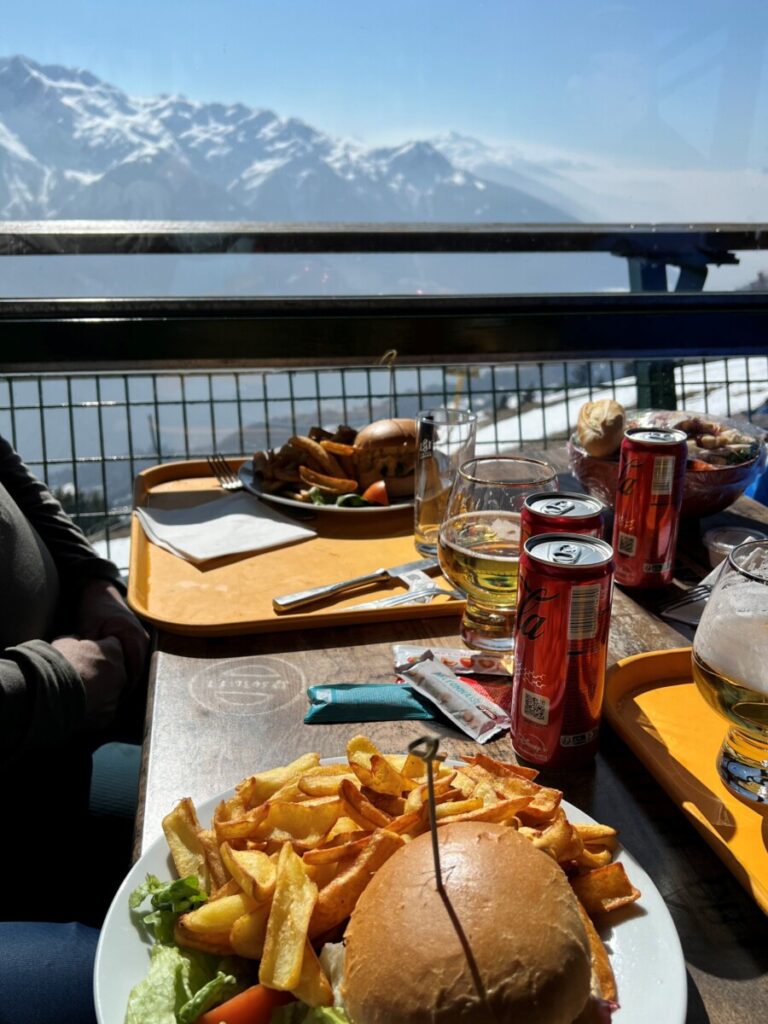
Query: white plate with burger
[(642, 942), (370, 470)]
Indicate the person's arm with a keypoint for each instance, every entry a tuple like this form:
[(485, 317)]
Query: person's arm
[(51, 692), (42, 699), (76, 560)]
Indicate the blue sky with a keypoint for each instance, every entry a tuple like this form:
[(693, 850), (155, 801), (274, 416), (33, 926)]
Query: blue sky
[(665, 82)]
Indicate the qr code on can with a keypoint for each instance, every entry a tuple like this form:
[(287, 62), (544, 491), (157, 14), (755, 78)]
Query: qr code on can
[(627, 544), (535, 707)]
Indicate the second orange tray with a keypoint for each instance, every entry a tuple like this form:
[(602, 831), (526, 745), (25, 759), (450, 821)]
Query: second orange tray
[(652, 702), (234, 595)]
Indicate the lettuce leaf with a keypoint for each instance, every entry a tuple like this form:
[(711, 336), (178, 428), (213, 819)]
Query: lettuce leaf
[(168, 900), (180, 985)]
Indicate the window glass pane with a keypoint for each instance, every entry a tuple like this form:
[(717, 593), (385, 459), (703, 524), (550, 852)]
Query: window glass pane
[(435, 111)]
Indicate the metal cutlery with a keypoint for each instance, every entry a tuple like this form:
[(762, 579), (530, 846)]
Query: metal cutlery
[(698, 593), (287, 602), (224, 473)]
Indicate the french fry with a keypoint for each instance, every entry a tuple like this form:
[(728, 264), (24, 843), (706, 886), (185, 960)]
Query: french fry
[(501, 767), (182, 832), (328, 484), (603, 979), (258, 788), (453, 807), (504, 810), (216, 870), (337, 900), (304, 825), (604, 889), (333, 854), (218, 944), (361, 810), (245, 827), (216, 917), (247, 934), (325, 460), (292, 906), (254, 872), (313, 988), (323, 785)]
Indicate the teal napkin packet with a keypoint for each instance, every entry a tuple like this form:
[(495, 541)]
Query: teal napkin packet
[(365, 702)]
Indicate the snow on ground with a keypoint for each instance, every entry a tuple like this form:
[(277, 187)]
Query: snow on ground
[(725, 387)]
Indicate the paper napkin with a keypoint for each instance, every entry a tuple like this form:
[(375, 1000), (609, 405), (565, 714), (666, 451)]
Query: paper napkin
[(230, 525)]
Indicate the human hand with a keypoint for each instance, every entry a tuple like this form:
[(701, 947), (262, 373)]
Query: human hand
[(102, 612), (101, 666)]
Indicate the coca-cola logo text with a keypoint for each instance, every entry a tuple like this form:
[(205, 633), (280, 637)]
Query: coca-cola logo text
[(626, 482), (530, 620)]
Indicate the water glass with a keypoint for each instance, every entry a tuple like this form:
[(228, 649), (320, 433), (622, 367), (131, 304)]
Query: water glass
[(446, 439)]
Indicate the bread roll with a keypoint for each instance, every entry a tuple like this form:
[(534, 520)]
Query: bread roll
[(600, 427)]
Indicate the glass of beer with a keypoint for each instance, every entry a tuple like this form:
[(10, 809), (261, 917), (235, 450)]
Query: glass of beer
[(479, 542), (730, 667)]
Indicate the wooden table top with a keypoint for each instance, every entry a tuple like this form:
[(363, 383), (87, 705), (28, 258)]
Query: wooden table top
[(221, 708)]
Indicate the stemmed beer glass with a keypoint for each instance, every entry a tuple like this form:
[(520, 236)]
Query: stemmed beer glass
[(730, 667), (479, 542)]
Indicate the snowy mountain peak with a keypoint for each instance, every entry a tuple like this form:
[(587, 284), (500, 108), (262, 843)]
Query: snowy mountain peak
[(74, 146)]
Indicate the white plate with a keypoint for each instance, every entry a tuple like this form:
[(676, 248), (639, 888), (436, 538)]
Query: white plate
[(253, 484), (643, 946)]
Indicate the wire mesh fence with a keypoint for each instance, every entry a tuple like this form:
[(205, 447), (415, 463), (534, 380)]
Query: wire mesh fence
[(89, 434)]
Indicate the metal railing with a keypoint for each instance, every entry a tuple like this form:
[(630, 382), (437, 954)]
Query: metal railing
[(88, 434)]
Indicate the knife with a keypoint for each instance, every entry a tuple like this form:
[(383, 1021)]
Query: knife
[(287, 602)]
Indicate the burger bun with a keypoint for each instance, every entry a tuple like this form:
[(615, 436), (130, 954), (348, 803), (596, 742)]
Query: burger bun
[(506, 943), (386, 450)]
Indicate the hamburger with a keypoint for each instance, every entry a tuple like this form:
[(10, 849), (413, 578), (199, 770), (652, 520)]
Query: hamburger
[(386, 450), (506, 943)]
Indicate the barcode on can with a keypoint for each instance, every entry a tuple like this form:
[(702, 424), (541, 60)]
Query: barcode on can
[(627, 544), (535, 707), (663, 474), (582, 618)]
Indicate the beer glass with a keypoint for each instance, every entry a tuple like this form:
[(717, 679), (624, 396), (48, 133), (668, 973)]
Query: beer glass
[(479, 542), (730, 667)]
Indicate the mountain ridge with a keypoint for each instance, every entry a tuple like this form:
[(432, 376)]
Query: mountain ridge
[(75, 147)]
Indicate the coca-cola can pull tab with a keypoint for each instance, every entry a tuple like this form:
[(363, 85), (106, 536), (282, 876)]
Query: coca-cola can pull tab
[(565, 554), (558, 507)]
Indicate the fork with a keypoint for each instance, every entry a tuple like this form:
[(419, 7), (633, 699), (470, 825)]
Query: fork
[(224, 473), (691, 596)]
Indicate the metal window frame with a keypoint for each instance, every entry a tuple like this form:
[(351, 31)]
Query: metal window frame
[(208, 331)]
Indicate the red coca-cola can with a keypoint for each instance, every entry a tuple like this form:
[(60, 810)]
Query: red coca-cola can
[(561, 641), (561, 512), (648, 498)]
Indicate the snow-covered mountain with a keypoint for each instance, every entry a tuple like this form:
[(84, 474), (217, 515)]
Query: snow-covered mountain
[(73, 146)]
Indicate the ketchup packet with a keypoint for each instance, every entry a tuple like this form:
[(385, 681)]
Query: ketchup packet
[(460, 660), (468, 710)]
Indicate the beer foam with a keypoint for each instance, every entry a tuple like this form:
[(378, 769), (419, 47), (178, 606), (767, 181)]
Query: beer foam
[(732, 637)]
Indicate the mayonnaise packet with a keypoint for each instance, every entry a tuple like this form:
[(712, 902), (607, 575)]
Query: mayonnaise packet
[(469, 711), (471, 663)]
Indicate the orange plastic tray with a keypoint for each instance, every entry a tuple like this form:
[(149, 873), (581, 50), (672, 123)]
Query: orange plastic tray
[(653, 703), (234, 595)]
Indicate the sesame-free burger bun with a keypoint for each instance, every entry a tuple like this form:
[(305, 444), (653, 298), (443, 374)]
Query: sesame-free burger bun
[(404, 960), (386, 450)]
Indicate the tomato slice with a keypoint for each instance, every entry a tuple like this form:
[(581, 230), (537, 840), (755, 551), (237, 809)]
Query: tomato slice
[(376, 493)]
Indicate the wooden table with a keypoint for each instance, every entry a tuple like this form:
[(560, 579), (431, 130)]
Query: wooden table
[(221, 708)]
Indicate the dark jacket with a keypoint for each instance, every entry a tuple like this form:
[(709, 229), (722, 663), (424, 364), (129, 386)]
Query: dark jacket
[(44, 562)]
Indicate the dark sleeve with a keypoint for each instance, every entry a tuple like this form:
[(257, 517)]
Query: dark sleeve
[(42, 699), (76, 560)]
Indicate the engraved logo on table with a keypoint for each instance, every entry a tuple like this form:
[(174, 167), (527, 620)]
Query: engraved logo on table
[(237, 687)]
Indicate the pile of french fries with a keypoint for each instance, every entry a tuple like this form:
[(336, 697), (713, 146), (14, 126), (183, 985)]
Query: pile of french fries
[(287, 857), (322, 459)]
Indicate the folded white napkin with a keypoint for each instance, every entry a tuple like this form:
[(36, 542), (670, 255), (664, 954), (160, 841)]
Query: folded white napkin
[(232, 524)]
